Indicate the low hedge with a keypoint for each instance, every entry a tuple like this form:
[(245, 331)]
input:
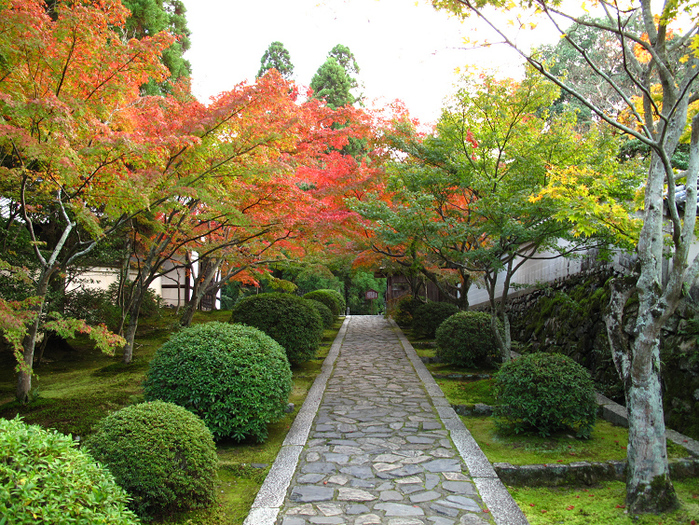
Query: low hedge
[(44, 478), (324, 312), (428, 317), (543, 393), (330, 298), (466, 339)]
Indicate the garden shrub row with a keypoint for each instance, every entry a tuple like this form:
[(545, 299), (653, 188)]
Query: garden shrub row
[(209, 381), (541, 392), (330, 298)]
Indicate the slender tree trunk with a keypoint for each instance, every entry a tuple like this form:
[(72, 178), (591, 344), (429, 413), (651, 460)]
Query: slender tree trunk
[(132, 324), (498, 310), (208, 268), (465, 287), (24, 377)]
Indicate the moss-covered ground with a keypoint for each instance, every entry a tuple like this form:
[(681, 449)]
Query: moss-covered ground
[(600, 504), (76, 386)]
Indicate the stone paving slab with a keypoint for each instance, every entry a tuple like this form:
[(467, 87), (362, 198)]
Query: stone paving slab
[(384, 447)]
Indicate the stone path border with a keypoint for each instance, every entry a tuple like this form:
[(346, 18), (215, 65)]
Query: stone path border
[(493, 493), (271, 496)]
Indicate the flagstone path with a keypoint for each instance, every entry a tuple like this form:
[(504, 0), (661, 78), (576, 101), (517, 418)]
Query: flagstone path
[(377, 443)]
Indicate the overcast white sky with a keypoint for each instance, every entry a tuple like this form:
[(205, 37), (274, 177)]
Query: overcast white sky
[(405, 49)]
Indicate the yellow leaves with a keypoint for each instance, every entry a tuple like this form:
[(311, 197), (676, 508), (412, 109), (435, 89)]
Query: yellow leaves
[(592, 202), (641, 54), (694, 45)]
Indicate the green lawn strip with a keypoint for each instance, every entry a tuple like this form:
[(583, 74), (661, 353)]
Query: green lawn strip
[(608, 442), (467, 392), (603, 503), (78, 387)]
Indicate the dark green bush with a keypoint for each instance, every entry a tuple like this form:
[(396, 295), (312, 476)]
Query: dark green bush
[(330, 298), (288, 319), (428, 317), (45, 479), (324, 312), (544, 393), (236, 378), (405, 308), (161, 454), (466, 339), (94, 306)]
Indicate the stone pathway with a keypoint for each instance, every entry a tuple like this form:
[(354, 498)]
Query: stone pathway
[(384, 446)]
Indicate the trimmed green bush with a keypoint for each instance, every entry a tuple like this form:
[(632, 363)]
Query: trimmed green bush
[(44, 478), (466, 339), (544, 393), (161, 454), (405, 308), (428, 317), (324, 312), (290, 320), (330, 298), (235, 377)]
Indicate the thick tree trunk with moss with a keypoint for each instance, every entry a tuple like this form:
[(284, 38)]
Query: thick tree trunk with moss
[(637, 359)]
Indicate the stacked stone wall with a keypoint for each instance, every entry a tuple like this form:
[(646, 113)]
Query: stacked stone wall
[(567, 316)]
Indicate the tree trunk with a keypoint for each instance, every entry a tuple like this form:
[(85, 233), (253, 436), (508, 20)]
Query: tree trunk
[(208, 268), (132, 325), (24, 376), (635, 345), (637, 359), (648, 486)]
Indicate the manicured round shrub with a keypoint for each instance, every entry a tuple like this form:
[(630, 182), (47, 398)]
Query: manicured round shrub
[(405, 308), (544, 393), (428, 317), (290, 320), (466, 339), (235, 377), (330, 298), (161, 454), (324, 312), (44, 478)]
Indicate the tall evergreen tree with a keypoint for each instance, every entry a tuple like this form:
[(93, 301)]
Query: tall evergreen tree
[(333, 82), (276, 57), (148, 17)]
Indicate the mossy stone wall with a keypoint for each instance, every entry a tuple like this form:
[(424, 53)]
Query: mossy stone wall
[(567, 316)]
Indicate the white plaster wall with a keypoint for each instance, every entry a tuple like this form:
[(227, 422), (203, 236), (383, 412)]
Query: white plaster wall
[(545, 268), (102, 278)]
